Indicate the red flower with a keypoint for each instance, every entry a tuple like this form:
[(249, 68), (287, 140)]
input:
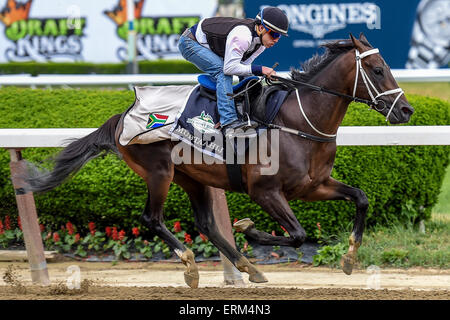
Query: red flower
[(77, 237), (1, 227), (235, 220), (177, 226), (7, 223), (135, 232), (56, 237), (69, 228), (42, 227), (114, 234), (121, 235), (92, 228), (108, 231), (318, 225), (204, 238), (19, 223), (284, 229), (187, 238)]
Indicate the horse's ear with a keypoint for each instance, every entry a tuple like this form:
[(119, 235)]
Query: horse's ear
[(363, 38), (357, 44), (355, 41)]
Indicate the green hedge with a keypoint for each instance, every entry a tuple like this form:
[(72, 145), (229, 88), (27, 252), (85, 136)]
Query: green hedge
[(145, 67), (400, 181)]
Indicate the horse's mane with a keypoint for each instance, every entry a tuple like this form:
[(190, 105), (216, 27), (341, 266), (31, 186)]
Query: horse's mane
[(317, 63)]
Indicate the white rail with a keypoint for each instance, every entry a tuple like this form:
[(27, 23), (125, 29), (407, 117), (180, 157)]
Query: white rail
[(347, 136), (401, 75)]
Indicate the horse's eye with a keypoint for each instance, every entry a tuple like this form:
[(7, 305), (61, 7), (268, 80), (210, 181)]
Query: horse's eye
[(378, 71)]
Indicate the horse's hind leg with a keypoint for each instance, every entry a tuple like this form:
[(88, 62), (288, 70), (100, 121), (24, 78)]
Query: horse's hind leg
[(202, 204), (153, 163)]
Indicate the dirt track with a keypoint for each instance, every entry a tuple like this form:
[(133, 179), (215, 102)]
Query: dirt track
[(164, 281)]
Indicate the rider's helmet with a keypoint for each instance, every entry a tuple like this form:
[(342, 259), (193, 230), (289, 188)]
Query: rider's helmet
[(274, 20)]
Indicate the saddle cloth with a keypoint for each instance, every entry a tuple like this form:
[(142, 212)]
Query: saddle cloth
[(181, 112), (196, 123), (153, 112)]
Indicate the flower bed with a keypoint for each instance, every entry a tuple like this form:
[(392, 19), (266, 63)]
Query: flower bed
[(115, 244)]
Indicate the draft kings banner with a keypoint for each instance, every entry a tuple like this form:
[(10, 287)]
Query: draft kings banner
[(94, 30)]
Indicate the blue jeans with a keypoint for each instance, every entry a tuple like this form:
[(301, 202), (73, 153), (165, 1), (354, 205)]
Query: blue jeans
[(211, 63)]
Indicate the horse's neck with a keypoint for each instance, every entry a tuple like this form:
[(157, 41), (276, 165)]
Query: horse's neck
[(325, 111)]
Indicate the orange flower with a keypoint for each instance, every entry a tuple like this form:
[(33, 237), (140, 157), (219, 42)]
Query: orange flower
[(69, 228), (7, 223), (177, 226), (114, 234), (92, 228), (56, 237), (187, 238), (318, 225), (204, 238), (121, 235)]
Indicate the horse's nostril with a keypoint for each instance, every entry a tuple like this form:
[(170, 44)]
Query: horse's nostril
[(407, 110)]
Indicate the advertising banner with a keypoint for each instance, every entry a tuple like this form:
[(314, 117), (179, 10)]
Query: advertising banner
[(409, 33), (94, 30)]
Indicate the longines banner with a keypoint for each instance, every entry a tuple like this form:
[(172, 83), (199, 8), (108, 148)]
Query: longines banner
[(94, 30), (409, 33)]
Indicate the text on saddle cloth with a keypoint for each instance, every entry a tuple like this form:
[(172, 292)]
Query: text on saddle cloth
[(196, 123)]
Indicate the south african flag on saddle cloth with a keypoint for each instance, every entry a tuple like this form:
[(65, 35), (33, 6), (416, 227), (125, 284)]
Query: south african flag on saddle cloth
[(156, 120)]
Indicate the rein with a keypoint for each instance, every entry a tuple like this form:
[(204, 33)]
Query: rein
[(292, 84)]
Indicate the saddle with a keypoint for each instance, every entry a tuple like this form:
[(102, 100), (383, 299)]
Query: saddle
[(251, 103)]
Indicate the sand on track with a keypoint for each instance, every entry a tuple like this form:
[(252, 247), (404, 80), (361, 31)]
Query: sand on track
[(165, 281)]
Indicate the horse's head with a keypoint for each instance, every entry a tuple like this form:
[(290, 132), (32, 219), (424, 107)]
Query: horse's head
[(374, 82)]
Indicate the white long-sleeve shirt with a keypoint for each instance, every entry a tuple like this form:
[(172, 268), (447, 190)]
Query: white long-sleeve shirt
[(239, 41)]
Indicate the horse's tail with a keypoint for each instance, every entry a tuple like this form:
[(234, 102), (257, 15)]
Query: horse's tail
[(73, 157)]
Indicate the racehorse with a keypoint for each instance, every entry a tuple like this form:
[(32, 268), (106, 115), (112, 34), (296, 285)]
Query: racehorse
[(348, 70)]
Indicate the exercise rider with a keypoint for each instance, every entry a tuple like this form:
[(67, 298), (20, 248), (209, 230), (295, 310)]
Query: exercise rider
[(223, 47)]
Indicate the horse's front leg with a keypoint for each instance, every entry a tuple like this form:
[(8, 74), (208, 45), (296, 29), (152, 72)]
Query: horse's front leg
[(335, 190)]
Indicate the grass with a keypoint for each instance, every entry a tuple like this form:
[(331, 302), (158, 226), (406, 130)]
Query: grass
[(439, 90), (403, 246), (443, 205)]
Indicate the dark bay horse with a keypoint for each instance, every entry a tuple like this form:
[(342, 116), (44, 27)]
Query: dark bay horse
[(352, 67)]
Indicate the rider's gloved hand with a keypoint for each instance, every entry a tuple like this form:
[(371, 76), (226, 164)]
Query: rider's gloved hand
[(268, 72)]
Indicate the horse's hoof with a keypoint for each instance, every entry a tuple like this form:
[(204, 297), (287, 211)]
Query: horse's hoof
[(191, 276), (243, 225), (257, 277), (347, 264), (191, 279), (243, 265)]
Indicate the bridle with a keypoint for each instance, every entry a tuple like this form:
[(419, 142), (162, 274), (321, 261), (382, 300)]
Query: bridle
[(367, 82), (373, 103)]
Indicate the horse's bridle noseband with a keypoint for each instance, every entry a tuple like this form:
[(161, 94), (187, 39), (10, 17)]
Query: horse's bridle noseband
[(367, 82)]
